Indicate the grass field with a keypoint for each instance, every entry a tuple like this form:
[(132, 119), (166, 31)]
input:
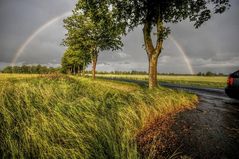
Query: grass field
[(57, 116), (200, 81)]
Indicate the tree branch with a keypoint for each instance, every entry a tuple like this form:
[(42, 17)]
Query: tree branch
[(147, 38), (160, 30)]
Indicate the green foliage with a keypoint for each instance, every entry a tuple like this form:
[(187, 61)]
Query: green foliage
[(74, 61), (152, 13), (30, 69), (92, 35), (138, 12), (56, 116)]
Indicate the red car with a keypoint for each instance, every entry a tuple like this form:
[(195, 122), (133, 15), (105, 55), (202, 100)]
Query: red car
[(232, 89)]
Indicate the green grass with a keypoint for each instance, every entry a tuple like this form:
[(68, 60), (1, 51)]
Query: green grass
[(56, 116), (200, 81)]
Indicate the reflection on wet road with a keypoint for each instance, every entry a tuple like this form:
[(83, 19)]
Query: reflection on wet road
[(212, 129)]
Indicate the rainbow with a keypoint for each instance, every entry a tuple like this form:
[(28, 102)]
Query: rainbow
[(52, 21), (185, 57), (34, 34)]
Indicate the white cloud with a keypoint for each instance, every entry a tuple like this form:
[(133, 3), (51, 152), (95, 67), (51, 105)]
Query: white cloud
[(210, 63)]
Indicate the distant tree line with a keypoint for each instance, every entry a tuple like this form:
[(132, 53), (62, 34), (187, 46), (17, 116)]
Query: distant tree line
[(134, 72), (72, 63), (209, 73), (30, 69)]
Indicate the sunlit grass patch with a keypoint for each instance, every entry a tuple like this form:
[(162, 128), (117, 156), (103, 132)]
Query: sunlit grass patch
[(5, 76), (200, 81)]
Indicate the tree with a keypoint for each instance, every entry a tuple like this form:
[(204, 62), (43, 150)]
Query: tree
[(75, 61), (156, 13), (209, 73), (91, 34)]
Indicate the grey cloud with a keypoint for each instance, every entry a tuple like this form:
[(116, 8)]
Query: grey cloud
[(19, 19), (120, 66), (213, 47)]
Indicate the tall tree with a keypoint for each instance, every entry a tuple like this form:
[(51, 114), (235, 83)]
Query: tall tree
[(93, 31), (156, 13)]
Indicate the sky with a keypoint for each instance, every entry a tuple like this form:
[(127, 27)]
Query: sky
[(213, 47)]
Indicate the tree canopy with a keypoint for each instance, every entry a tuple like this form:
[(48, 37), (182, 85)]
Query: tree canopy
[(74, 61), (90, 34), (99, 24), (154, 13)]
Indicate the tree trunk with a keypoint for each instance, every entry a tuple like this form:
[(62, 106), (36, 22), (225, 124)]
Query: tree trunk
[(94, 62), (153, 52), (153, 63), (74, 69), (78, 70), (83, 71)]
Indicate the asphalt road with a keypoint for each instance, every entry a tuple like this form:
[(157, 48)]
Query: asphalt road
[(212, 129)]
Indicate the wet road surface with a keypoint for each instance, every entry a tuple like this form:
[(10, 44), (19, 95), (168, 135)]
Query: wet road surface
[(212, 129)]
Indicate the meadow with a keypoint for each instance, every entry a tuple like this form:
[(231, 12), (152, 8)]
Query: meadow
[(198, 81), (60, 116)]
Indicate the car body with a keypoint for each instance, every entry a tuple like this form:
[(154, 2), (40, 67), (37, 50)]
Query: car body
[(232, 89)]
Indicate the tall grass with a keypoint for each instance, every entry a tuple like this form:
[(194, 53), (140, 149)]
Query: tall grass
[(67, 117)]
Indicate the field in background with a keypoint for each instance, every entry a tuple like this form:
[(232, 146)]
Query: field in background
[(58, 116), (200, 81)]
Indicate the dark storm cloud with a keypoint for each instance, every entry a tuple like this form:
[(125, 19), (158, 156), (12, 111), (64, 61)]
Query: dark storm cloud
[(212, 47), (216, 39), (20, 18)]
